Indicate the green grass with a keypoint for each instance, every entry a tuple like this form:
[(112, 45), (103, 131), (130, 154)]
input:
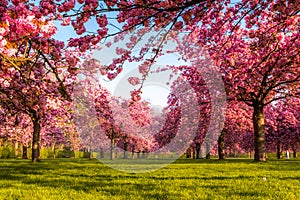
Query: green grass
[(184, 179)]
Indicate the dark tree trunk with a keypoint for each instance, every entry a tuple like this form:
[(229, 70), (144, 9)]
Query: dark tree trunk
[(207, 151), (294, 153), (188, 153), (295, 150), (198, 146), (125, 150), (90, 155), (36, 138), (259, 134), (221, 146), (193, 153), (74, 151), (54, 153), (24, 154), (279, 150), (143, 154)]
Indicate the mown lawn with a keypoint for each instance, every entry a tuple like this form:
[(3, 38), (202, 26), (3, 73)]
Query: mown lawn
[(184, 179)]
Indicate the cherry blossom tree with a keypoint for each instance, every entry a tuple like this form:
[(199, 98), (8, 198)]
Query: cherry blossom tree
[(283, 126), (34, 66), (56, 126), (17, 128), (54, 131), (114, 116), (238, 125), (259, 59)]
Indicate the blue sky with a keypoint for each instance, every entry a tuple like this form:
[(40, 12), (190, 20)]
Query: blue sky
[(156, 93)]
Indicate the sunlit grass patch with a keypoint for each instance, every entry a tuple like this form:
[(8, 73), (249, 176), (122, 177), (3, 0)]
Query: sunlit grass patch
[(183, 179)]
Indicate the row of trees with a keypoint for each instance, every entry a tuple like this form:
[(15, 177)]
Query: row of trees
[(253, 44), (148, 132)]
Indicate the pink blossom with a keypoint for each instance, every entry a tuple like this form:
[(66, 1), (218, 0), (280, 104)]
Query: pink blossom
[(144, 67), (134, 80)]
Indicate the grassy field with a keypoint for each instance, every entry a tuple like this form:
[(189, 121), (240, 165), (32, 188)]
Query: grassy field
[(184, 179)]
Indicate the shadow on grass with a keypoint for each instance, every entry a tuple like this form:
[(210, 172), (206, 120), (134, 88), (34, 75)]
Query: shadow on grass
[(88, 176), (250, 194), (91, 175)]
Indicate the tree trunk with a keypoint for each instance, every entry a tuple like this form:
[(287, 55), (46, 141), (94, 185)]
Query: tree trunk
[(294, 153), (207, 151), (295, 150), (90, 152), (138, 154), (91, 146), (24, 154), (16, 149), (132, 153), (125, 150), (193, 153), (54, 151), (188, 153), (259, 134), (90, 155), (221, 146), (112, 146), (101, 153), (143, 154), (198, 150), (36, 138), (279, 150)]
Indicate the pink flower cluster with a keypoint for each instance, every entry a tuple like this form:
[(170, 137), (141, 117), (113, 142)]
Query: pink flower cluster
[(134, 80), (136, 95)]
